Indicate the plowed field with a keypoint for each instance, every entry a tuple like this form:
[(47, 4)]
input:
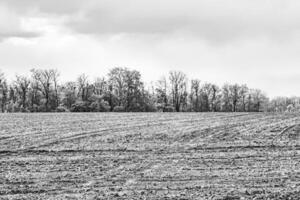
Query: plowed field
[(150, 156)]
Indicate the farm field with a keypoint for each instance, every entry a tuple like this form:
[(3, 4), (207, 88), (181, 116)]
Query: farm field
[(150, 156)]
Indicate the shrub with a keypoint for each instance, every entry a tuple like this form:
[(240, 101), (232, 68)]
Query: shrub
[(24, 110), (119, 109), (100, 106), (80, 106), (169, 109), (151, 108), (34, 108), (61, 109), (12, 107)]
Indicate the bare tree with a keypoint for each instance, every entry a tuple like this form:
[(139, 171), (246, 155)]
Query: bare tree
[(117, 82), (133, 90), (22, 84), (124, 90), (12, 94), (82, 82), (195, 95), (214, 97), (69, 94), (259, 98), (127, 85), (56, 75), (226, 106), (3, 91), (100, 86), (249, 101), (162, 92), (44, 78), (206, 91), (34, 95), (243, 95), (2, 77), (234, 95), (178, 82)]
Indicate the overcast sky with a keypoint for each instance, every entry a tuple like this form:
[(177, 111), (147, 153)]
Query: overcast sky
[(245, 41)]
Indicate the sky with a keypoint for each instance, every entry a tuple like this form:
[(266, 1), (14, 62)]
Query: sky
[(256, 42)]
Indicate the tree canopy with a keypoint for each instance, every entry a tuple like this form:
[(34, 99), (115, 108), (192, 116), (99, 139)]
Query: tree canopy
[(123, 90)]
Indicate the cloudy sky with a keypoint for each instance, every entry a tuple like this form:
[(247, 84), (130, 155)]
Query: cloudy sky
[(245, 41)]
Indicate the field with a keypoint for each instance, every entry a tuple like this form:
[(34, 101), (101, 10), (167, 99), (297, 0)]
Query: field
[(150, 156)]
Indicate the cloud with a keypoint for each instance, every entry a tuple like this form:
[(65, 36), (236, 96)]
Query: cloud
[(214, 20), (214, 40), (11, 26), (17, 34), (44, 6)]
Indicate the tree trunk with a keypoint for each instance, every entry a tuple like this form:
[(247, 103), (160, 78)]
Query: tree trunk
[(24, 99), (47, 101)]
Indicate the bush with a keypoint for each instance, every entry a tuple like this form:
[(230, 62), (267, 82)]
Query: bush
[(61, 109), (101, 106), (169, 109), (24, 110), (15, 107), (41, 108), (12, 107), (135, 108), (34, 108), (80, 106), (151, 108), (160, 107), (119, 109)]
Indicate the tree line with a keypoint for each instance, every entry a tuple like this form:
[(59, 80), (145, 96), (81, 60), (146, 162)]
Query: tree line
[(123, 90)]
